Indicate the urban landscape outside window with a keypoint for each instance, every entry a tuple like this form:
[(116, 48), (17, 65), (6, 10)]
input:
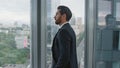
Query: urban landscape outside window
[(15, 34)]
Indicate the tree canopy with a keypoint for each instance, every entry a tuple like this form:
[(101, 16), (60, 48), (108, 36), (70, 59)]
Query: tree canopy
[(9, 54)]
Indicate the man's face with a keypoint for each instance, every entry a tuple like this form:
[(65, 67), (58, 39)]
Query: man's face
[(57, 17)]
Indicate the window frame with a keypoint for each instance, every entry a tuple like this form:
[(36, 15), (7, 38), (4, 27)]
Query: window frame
[(90, 32), (38, 33)]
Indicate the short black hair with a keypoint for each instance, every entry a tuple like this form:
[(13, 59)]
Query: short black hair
[(65, 10)]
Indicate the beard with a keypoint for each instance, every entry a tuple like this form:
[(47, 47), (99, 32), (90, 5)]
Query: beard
[(58, 21)]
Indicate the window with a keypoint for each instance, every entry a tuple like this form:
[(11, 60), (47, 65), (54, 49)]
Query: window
[(117, 11), (118, 21), (77, 22), (116, 65), (107, 34), (115, 40), (15, 34), (104, 8)]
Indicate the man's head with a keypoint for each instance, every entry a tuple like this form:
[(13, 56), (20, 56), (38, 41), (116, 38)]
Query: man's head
[(63, 14)]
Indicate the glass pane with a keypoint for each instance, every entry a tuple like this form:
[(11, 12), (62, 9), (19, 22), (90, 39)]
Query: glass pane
[(14, 33), (104, 8), (116, 65), (118, 20), (77, 22), (117, 12), (107, 45)]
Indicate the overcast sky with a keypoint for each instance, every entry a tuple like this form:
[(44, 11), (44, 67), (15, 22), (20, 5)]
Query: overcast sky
[(14, 10), (19, 10)]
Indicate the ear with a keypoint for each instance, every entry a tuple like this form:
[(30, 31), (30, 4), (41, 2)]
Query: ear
[(64, 15)]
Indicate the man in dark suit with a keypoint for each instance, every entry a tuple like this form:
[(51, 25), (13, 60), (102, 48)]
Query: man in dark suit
[(64, 43)]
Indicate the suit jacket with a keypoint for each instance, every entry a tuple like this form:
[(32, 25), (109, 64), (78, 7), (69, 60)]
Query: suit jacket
[(64, 48)]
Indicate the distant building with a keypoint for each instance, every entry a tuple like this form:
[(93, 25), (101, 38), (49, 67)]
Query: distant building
[(78, 26), (4, 30), (21, 41)]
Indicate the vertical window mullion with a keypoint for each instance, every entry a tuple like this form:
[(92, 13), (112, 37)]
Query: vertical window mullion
[(38, 23)]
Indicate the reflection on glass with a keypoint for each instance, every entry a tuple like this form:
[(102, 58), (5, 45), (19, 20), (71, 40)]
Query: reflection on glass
[(116, 65), (104, 8), (118, 20), (107, 34), (14, 34), (77, 22), (119, 42), (118, 11)]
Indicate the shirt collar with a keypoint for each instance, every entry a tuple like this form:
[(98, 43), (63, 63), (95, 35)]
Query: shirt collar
[(63, 24)]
